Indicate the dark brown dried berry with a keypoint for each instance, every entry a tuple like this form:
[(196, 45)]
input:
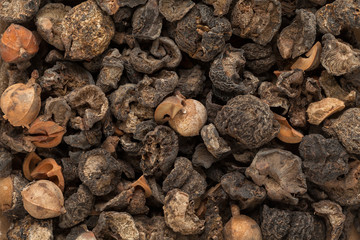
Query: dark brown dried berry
[(98, 171), (201, 35), (240, 189), (338, 57), (324, 159), (147, 21), (281, 174), (31, 228), (248, 120), (227, 73), (175, 10), (299, 36), (159, 151), (215, 144), (179, 213), (48, 22), (257, 20), (18, 10), (259, 58), (86, 36), (184, 177), (78, 207)]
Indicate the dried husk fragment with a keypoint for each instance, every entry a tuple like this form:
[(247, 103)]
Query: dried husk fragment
[(30, 162), (311, 61), (287, 134), (49, 169), (142, 183), (319, 111), (43, 199), (168, 108)]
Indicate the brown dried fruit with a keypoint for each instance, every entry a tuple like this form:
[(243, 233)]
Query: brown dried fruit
[(257, 20), (175, 10), (50, 170), (319, 111), (45, 134), (311, 61), (48, 23), (287, 134), (43, 199), (6, 192), (21, 102), (18, 44), (189, 121), (335, 219), (86, 36), (30, 162), (247, 119), (241, 227), (180, 215), (281, 174), (168, 108)]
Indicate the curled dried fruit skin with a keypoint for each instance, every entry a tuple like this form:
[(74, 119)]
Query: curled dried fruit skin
[(30, 162), (43, 199), (311, 61), (45, 134), (18, 44), (169, 108), (190, 120), (21, 102), (49, 169), (287, 134), (142, 183)]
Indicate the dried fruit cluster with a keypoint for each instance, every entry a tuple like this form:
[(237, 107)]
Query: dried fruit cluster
[(163, 119)]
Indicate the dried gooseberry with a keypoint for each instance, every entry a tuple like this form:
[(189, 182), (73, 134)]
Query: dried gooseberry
[(21, 102), (43, 199), (6, 191), (241, 227), (189, 121), (18, 44)]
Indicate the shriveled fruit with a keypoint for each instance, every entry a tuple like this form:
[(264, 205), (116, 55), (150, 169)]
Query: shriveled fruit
[(21, 102), (43, 199)]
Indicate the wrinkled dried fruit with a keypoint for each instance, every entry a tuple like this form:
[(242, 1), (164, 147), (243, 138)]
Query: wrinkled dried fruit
[(280, 172), (179, 213), (86, 36), (247, 119), (18, 44), (241, 227), (189, 120), (43, 199), (21, 102)]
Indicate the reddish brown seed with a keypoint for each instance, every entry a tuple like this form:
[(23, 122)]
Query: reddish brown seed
[(49, 169), (18, 44)]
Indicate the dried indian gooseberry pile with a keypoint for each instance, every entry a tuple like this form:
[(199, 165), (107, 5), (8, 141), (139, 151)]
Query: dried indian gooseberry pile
[(180, 119)]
